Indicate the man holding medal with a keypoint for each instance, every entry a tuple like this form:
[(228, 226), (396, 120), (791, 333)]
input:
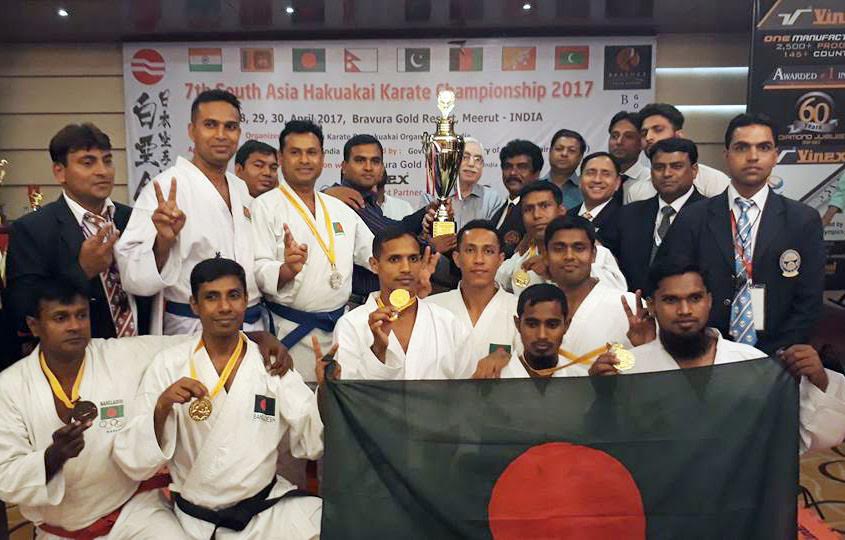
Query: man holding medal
[(209, 409), (306, 244), (393, 335), (61, 409)]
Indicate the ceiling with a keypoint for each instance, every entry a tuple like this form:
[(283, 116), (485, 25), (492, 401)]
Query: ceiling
[(165, 20)]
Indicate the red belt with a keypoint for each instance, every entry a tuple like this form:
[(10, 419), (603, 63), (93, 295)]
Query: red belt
[(103, 526)]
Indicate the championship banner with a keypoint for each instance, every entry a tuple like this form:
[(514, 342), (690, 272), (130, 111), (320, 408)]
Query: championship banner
[(697, 453), (505, 89), (798, 78)]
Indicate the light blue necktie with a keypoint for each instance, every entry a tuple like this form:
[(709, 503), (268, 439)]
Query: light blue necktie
[(742, 318)]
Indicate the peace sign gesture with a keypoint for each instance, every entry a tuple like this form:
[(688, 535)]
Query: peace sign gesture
[(167, 217), (322, 362), (429, 266), (641, 325)]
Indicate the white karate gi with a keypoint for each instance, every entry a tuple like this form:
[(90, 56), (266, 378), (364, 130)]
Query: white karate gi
[(495, 326), (821, 414), (231, 455), (309, 291), (606, 269), (90, 485), (709, 182), (210, 230), (438, 348), (396, 208)]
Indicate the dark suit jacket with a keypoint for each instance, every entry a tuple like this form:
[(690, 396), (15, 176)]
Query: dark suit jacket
[(44, 246), (512, 230), (604, 221), (793, 304), (631, 238)]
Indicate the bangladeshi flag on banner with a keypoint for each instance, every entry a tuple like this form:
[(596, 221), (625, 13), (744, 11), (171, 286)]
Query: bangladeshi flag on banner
[(706, 453)]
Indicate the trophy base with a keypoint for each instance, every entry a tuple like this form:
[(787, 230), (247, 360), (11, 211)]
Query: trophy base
[(441, 228)]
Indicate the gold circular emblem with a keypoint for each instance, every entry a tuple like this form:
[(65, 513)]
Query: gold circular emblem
[(626, 358), (521, 278), (399, 298), (200, 409)]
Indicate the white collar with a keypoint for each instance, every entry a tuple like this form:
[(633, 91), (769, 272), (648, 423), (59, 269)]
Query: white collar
[(677, 204), (635, 170), (79, 212), (759, 198), (595, 211)]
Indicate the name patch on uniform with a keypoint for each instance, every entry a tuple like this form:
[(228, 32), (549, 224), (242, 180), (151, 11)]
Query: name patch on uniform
[(338, 228), (112, 415), (265, 408), (498, 346)]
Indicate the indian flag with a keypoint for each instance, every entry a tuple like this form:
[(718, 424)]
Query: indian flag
[(205, 59)]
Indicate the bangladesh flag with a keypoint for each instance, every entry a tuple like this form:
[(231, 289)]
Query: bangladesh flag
[(466, 59), (309, 60), (700, 453)]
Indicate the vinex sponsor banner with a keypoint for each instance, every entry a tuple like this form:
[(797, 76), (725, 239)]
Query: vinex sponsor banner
[(505, 89)]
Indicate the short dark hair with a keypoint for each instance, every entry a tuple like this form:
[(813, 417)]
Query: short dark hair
[(251, 147), (672, 265), (390, 233), (541, 292), (520, 147), (534, 187), (567, 223), (667, 111), (62, 291), (675, 144), (632, 117), (752, 119), (594, 155), (210, 96), (359, 140), (74, 137), (571, 135), (213, 269), (300, 126), (485, 224)]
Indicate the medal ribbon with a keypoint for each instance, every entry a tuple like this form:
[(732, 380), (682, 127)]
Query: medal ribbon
[(57, 388), (584, 358), (227, 371), (328, 250), (398, 309), (548, 372)]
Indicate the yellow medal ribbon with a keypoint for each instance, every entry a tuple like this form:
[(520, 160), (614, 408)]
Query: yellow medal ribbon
[(57, 387), (393, 297), (544, 373), (227, 371), (584, 358), (328, 250)]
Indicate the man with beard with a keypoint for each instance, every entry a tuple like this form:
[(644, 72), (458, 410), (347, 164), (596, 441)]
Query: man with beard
[(625, 144), (681, 302), (599, 182), (521, 162), (193, 211), (540, 204), (565, 153), (257, 166), (661, 121)]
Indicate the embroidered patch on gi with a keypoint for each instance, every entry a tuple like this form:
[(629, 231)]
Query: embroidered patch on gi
[(265, 408), (497, 346), (338, 228), (112, 415)]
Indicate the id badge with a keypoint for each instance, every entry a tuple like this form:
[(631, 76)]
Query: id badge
[(758, 305)]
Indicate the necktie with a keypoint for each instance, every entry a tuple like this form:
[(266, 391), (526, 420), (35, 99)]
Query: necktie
[(588, 216), (509, 206), (121, 311), (742, 318), (667, 212)]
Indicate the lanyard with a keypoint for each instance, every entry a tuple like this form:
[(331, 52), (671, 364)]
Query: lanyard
[(541, 373), (584, 357), (328, 250), (57, 388), (739, 249), (227, 371)]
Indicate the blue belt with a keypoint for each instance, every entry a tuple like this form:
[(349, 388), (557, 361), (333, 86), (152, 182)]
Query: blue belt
[(253, 314), (307, 321)]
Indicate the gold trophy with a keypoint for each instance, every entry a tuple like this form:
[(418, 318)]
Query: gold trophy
[(35, 197), (443, 154)]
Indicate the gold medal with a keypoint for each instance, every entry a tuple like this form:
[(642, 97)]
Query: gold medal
[(626, 358), (200, 409), (521, 278), (400, 300)]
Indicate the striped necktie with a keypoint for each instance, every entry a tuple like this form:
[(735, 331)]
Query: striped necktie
[(742, 318)]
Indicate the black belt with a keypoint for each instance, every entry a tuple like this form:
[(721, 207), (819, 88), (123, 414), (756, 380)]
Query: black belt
[(237, 516)]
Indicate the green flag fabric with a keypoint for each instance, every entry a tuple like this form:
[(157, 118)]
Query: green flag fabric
[(699, 453)]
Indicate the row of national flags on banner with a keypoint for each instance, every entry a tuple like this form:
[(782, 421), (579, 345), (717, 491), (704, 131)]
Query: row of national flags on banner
[(408, 60)]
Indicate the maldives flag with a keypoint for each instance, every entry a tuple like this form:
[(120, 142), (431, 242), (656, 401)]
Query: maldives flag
[(700, 453), (466, 59)]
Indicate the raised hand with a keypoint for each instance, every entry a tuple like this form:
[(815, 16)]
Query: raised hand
[(604, 365), (321, 361), (96, 254), (182, 391), (490, 367), (803, 360), (167, 217), (642, 327), (429, 265), (380, 325), (351, 197), (68, 442), (536, 264), (444, 243), (295, 254)]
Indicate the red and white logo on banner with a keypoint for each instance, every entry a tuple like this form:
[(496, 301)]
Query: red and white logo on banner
[(148, 66)]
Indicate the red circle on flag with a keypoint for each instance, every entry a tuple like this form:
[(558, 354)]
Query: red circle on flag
[(148, 66), (308, 60), (563, 490), (263, 404), (112, 412)]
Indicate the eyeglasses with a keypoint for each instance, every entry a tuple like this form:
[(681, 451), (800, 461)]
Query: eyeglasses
[(475, 160)]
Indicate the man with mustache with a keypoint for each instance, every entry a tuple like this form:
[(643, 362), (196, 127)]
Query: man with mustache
[(599, 182), (565, 153), (762, 252), (625, 144), (257, 166), (521, 162), (681, 300)]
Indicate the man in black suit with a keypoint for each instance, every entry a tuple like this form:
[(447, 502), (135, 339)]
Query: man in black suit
[(600, 181), (521, 163), (763, 253), (642, 225), (72, 238)]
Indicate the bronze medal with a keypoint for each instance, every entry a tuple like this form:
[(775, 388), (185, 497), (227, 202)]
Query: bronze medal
[(84, 411), (200, 409)]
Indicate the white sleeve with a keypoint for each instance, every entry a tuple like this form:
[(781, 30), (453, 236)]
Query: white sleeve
[(363, 243), (606, 269), (822, 414), (356, 358), (505, 272), (711, 182), (298, 408), (23, 473), (136, 449), (134, 251), (269, 240)]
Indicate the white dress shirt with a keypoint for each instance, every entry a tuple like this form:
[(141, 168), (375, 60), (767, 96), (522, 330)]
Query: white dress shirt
[(639, 174), (595, 211), (754, 213), (677, 204)]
